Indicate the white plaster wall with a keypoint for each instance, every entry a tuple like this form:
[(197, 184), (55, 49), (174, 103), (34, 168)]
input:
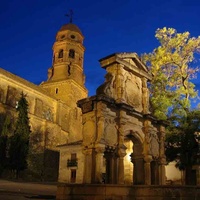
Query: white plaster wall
[(173, 174)]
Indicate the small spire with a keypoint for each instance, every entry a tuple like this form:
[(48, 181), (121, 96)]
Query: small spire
[(70, 15)]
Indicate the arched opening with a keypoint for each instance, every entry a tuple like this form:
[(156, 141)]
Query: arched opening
[(133, 169), (71, 53), (60, 54), (128, 165), (137, 159)]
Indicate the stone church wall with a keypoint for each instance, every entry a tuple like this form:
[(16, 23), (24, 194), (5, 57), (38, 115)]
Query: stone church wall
[(46, 127)]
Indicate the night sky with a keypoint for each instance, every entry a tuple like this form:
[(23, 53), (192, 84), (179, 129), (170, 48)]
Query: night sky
[(28, 29)]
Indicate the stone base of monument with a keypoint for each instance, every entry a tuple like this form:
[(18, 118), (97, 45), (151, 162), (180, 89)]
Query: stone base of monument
[(123, 192)]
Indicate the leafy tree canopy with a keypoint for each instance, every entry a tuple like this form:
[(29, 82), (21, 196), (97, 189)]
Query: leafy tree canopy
[(172, 68)]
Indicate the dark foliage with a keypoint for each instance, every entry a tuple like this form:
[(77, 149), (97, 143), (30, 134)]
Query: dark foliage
[(183, 142), (19, 142), (4, 134)]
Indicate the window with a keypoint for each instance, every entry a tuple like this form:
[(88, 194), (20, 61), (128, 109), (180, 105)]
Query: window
[(60, 55), (56, 90), (62, 37), (69, 69), (73, 175), (73, 161), (71, 53), (73, 156), (72, 36)]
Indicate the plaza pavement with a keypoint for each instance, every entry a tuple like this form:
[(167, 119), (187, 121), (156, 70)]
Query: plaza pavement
[(15, 190)]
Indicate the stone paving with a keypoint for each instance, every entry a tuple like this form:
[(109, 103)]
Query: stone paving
[(11, 190)]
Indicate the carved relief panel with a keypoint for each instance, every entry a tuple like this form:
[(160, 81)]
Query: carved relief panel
[(152, 141), (48, 114), (133, 91), (89, 129), (123, 86), (110, 132)]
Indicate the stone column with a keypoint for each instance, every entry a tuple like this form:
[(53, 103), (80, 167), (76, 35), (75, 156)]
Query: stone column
[(162, 175), (162, 141), (99, 164), (138, 170), (162, 157), (147, 169), (88, 165), (134, 169), (121, 154), (145, 96)]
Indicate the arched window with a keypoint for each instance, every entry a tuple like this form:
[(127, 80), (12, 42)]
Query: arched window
[(60, 55), (71, 53)]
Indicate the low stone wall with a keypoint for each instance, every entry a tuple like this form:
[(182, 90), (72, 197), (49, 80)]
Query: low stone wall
[(122, 192)]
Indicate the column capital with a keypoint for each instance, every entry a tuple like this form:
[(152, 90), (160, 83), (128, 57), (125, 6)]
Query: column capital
[(122, 151), (148, 158), (162, 160), (100, 149), (87, 151)]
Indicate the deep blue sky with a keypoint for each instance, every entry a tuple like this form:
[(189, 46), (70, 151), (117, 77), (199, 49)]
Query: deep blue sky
[(28, 29)]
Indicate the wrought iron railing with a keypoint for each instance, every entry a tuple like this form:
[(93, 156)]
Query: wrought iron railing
[(72, 163)]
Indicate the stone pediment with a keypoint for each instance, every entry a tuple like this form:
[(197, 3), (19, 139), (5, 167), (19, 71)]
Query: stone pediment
[(130, 61)]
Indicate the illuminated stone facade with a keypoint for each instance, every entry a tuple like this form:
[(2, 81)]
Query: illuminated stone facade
[(122, 142)]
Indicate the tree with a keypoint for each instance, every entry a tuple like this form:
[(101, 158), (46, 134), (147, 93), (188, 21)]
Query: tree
[(4, 134), (19, 142), (183, 143), (171, 89)]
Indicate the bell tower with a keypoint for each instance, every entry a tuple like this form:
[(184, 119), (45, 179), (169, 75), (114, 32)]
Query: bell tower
[(66, 78)]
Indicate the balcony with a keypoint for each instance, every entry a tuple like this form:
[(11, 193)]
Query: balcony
[(72, 163)]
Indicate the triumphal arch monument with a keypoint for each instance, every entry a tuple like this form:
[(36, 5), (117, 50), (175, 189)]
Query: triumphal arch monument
[(122, 142)]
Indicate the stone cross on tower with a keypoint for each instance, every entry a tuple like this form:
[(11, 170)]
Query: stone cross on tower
[(70, 15)]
